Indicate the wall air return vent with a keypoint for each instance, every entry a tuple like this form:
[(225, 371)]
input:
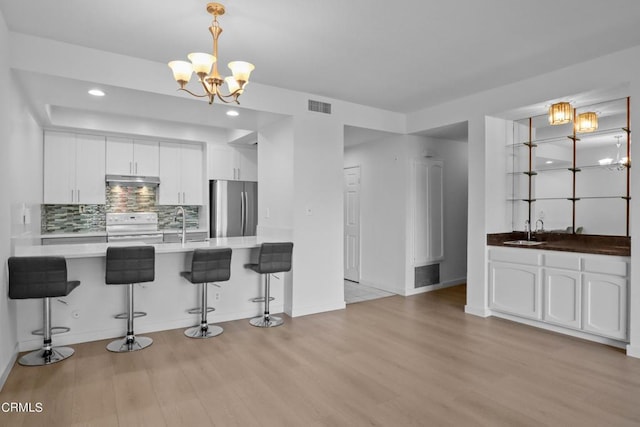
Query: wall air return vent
[(319, 107)]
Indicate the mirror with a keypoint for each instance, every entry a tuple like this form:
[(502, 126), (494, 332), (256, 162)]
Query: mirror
[(590, 197)]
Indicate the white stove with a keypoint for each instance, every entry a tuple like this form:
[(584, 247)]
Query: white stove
[(133, 227)]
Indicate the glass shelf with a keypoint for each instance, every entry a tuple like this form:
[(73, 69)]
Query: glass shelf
[(569, 138)]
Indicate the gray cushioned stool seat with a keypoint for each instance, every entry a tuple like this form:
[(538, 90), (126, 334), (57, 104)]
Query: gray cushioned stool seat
[(272, 258), (46, 278), (127, 265), (207, 266)]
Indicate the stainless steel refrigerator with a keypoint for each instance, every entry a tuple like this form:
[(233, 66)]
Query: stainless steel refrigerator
[(233, 208)]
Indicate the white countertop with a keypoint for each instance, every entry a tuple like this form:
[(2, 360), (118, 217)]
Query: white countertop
[(89, 250)]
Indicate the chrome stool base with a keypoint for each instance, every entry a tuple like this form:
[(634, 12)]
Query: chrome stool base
[(266, 322), (43, 357), (207, 332), (125, 345)]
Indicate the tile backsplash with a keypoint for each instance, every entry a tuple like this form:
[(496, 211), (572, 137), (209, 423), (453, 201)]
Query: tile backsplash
[(119, 198)]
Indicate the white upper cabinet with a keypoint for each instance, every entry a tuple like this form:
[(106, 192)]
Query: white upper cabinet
[(126, 156), (233, 164), (74, 168), (181, 177)]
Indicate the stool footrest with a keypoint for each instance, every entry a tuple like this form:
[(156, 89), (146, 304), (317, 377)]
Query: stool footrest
[(126, 315), (198, 310), (54, 330), (261, 299)]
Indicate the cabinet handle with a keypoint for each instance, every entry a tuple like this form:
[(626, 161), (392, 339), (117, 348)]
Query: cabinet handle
[(184, 198), (131, 168), (71, 196), (78, 198), (136, 170)]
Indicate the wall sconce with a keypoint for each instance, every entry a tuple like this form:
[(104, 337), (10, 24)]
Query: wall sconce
[(587, 122), (560, 113)]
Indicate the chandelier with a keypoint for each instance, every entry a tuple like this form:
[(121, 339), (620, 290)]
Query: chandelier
[(201, 64), (619, 164)]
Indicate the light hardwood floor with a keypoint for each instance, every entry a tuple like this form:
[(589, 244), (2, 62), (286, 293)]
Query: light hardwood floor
[(389, 362)]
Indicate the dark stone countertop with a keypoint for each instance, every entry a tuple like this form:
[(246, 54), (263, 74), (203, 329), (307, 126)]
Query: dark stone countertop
[(583, 243)]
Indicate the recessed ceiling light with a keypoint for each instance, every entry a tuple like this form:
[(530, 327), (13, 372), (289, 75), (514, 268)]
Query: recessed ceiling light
[(232, 113), (549, 162), (96, 92)]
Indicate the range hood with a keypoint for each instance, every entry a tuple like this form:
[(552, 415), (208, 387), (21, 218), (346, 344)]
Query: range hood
[(133, 180)]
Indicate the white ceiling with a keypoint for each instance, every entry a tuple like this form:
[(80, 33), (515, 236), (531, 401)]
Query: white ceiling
[(401, 56)]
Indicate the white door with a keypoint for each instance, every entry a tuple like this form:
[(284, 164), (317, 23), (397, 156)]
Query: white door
[(352, 223), (604, 305)]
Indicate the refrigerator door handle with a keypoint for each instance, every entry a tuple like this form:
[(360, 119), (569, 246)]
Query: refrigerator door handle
[(242, 213)]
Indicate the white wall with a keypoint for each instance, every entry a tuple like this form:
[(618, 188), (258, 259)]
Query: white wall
[(21, 172), (317, 214), (386, 229), (8, 349), (275, 177)]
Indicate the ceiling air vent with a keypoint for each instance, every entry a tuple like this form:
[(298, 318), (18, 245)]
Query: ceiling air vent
[(319, 107)]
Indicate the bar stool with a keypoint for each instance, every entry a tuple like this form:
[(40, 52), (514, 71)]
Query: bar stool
[(207, 266), (46, 278), (272, 258), (127, 265)]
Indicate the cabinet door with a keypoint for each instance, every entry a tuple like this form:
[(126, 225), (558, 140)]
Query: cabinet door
[(170, 188), (59, 168), (515, 289), (248, 164), (90, 169), (192, 178), (146, 158), (222, 163), (427, 211), (562, 297), (119, 156), (605, 305)]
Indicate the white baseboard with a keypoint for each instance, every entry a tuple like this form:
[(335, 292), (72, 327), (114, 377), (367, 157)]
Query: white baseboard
[(633, 351), (430, 288), (7, 369), (313, 309), (477, 311)]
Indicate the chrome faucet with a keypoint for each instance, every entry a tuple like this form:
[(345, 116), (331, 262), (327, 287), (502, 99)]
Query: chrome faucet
[(541, 226), (527, 229), (180, 211)]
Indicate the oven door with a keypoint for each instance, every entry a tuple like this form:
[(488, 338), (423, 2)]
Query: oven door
[(144, 238)]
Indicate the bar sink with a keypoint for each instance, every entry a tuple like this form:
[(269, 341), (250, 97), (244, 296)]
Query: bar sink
[(523, 243)]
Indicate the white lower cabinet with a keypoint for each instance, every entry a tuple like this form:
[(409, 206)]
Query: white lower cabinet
[(585, 292), (605, 305), (515, 289), (562, 297)]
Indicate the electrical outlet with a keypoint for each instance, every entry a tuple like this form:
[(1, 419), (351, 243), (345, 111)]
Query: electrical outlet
[(75, 314), (217, 296)]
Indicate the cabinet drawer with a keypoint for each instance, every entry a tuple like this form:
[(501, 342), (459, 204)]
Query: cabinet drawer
[(560, 260), (604, 266), (518, 256)]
